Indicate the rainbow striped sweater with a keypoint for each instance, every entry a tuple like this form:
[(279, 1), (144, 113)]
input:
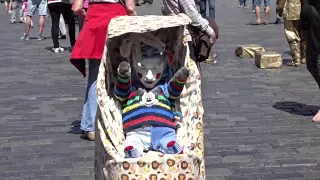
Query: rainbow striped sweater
[(137, 113)]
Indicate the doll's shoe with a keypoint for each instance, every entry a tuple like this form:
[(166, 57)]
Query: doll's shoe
[(182, 75), (174, 147), (131, 152), (124, 69)]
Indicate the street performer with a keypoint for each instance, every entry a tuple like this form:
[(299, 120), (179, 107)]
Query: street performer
[(293, 30)]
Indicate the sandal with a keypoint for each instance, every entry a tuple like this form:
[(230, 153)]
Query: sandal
[(256, 23)]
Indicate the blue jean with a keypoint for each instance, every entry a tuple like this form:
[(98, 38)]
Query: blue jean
[(203, 8), (253, 6), (258, 3), (151, 138), (40, 5), (90, 106), (243, 2)]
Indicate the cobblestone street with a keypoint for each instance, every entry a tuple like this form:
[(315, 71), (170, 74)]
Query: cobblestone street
[(257, 122)]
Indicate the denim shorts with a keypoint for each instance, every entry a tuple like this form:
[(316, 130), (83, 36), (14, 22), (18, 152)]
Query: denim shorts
[(40, 5), (258, 3)]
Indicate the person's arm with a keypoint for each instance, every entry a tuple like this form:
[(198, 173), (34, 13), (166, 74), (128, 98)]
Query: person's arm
[(130, 7), (123, 85), (77, 8), (188, 7)]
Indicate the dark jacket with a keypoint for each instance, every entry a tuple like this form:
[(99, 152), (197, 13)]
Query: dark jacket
[(311, 23)]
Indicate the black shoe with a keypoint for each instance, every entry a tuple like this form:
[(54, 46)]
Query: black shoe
[(62, 37), (277, 21)]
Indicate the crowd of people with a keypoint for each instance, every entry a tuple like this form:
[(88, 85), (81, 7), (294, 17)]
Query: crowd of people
[(60, 12)]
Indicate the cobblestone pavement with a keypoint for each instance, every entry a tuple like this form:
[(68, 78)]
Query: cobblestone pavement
[(257, 122)]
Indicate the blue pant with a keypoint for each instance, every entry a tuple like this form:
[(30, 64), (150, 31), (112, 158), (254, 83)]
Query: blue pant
[(90, 106), (243, 2), (151, 138), (203, 8)]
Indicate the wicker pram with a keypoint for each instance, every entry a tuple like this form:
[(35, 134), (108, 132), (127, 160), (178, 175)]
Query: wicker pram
[(110, 163)]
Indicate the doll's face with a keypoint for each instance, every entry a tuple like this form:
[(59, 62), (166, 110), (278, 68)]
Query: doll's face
[(149, 70)]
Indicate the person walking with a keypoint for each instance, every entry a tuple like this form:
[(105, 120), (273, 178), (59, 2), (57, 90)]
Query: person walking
[(212, 10), (293, 30), (243, 4), (311, 23), (257, 4), (25, 11), (279, 10), (253, 7), (188, 7), (41, 6), (56, 9), (81, 18), (90, 45), (16, 9)]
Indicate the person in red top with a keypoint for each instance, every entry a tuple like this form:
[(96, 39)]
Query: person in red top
[(90, 45)]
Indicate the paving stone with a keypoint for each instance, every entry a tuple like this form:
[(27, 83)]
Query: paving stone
[(219, 172), (292, 175), (309, 149), (230, 159), (299, 162), (250, 171)]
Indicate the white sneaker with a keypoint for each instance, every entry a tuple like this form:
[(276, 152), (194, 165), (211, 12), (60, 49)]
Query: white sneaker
[(57, 50), (40, 37), (25, 37), (12, 21)]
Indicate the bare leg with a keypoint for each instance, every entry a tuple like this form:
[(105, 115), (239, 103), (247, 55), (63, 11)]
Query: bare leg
[(267, 13), (28, 24), (41, 24), (258, 15)]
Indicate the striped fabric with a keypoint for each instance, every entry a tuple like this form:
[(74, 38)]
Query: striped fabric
[(136, 115)]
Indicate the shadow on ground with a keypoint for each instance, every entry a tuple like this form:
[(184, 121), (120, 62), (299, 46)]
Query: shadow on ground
[(75, 128), (296, 108)]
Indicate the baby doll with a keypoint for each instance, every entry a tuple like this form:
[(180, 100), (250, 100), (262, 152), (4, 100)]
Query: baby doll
[(148, 117)]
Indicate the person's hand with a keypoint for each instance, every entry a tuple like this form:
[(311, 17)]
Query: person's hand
[(78, 8), (130, 7), (213, 38)]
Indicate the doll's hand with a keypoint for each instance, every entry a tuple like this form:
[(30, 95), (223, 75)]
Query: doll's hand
[(124, 69), (177, 119), (182, 74)]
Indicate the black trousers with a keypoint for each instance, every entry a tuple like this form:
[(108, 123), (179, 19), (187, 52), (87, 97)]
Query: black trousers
[(311, 23), (56, 9)]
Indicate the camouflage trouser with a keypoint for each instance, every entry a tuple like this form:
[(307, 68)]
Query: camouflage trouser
[(296, 39), (279, 8)]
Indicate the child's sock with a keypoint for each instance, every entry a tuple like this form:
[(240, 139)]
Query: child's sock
[(131, 152), (174, 147)]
